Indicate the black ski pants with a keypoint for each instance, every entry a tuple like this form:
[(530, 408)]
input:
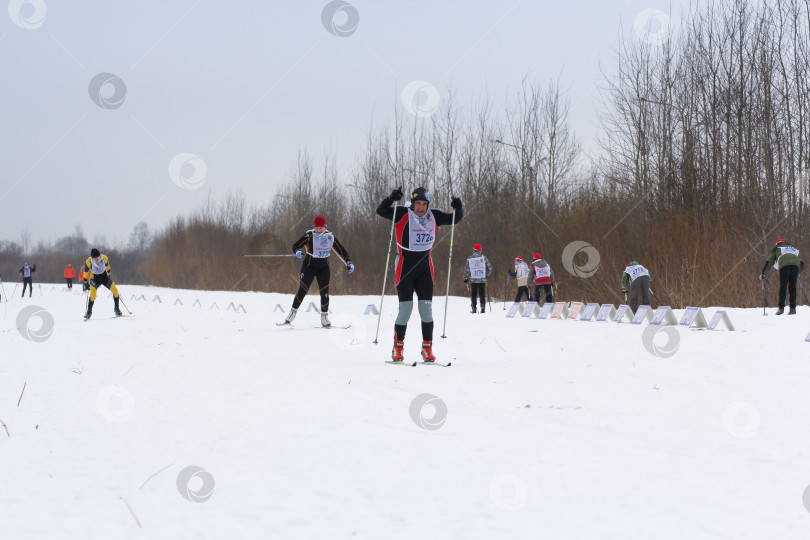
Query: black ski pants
[(308, 273), (524, 290), (548, 293), (27, 282), (639, 285), (478, 290), (788, 275)]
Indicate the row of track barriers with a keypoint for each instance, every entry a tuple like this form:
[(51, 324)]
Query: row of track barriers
[(693, 317)]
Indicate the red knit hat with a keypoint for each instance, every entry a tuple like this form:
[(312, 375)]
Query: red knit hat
[(781, 240), (319, 221), (477, 247), (537, 256), (519, 258)]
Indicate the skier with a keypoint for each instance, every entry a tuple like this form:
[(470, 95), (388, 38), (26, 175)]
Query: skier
[(27, 276), (416, 229), (83, 278), (98, 274), (521, 272), (543, 278), (315, 247), (70, 274), (476, 271), (785, 258), (637, 278)]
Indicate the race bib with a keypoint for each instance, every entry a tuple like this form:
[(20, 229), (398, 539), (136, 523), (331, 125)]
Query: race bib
[(322, 244), (542, 271), (98, 267), (478, 268), (636, 271), (785, 250), (421, 232)]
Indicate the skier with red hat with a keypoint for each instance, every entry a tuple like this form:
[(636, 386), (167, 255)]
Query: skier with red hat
[(476, 271), (521, 273), (416, 228), (785, 258), (314, 248), (543, 278)]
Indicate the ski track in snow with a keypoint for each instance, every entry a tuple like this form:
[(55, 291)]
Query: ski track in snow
[(191, 422)]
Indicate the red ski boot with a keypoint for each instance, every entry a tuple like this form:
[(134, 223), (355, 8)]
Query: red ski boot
[(396, 352), (427, 352)]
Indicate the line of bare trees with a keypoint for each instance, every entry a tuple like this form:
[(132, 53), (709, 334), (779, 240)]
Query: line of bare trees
[(703, 163)]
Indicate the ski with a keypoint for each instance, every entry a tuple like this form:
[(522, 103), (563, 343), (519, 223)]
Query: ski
[(334, 327), (85, 319), (285, 323), (399, 363), (448, 364)]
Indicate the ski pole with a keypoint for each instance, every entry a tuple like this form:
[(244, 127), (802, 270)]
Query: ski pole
[(248, 255), (804, 294), (16, 284), (385, 274), (449, 264), (764, 299), (3, 289), (506, 291), (121, 299)]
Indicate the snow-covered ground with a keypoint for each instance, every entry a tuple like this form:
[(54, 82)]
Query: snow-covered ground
[(188, 421)]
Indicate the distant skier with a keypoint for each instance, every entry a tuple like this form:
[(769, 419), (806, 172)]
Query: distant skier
[(416, 228), (83, 278), (98, 274), (315, 247), (637, 279), (543, 279), (476, 271), (27, 276), (521, 273), (785, 258), (70, 275)]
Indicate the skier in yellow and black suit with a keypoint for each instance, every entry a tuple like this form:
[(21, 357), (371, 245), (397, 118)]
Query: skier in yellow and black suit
[(98, 275)]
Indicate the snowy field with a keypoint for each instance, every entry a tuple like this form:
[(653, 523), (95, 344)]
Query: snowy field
[(188, 421)]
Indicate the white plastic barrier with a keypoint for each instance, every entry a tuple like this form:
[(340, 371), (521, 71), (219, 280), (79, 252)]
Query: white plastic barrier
[(664, 317), (693, 318)]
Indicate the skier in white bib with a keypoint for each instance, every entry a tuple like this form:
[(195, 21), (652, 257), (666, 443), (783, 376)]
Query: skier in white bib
[(27, 273), (415, 229), (97, 276), (637, 279), (784, 258), (476, 271), (521, 273), (314, 248), (543, 279)]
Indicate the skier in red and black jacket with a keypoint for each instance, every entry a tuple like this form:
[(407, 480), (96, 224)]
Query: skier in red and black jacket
[(415, 229)]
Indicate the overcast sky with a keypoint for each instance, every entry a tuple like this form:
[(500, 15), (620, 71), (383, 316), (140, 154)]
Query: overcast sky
[(243, 86)]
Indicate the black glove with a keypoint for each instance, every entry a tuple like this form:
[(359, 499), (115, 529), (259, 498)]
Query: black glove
[(397, 194), (466, 281), (456, 203), (761, 277), (512, 273)]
